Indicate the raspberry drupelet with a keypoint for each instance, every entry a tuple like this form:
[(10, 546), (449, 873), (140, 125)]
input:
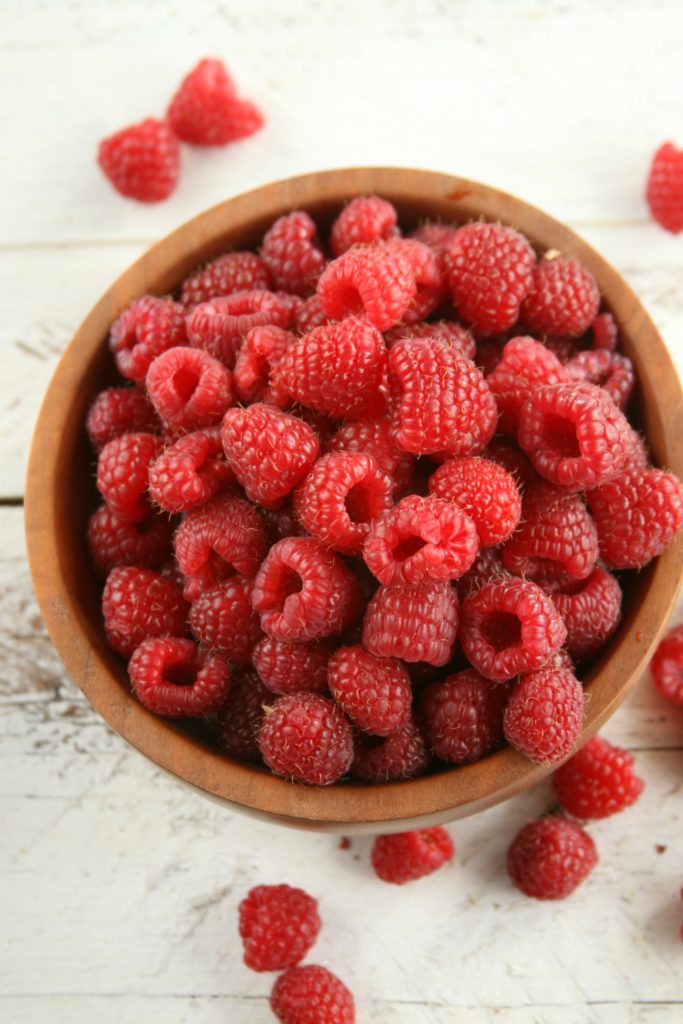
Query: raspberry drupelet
[(305, 737), (137, 604), (412, 622), (556, 535), (114, 540), (123, 474), (278, 924), (311, 995), (365, 219), (485, 491), (189, 472), (220, 325), (403, 755), (590, 609), (239, 719), (374, 692), (206, 110), (291, 254), (544, 715), (407, 856), (174, 677), (597, 781), (189, 389), (463, 716), (142, 161), (118, 411), (223, 619), (550, 857), (257, 359), (564, 298), (286, 666), (666, 667), (143, 331), (231, 272)]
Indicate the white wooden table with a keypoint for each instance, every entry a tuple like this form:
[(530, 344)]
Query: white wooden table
[(119, 886)]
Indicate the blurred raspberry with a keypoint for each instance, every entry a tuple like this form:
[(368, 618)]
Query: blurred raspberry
[(278, 924), (403, 755), (189, 389), (142, 161), (605, 332), (173, 677), (231, 272), (206, 110), (292, 667), (484, 491), (220, 325), (544, 715), (664, 191), (305, 737), (406, 856), (550, 857), (463, 716), (364, 219), (564, 298), (143, 331), (222, 619), (310, 315), (415, 623), (597, 781), (311, 995), (118, 411), (374, 692), (666, 667), (290, 252), (239, 719), (114, 540), (437, 236)]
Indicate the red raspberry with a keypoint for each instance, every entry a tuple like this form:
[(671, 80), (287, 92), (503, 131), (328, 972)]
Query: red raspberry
[(550, 857), (487, 566), (278, 924), (290, 252), (597, 781), (415, 623), (544, 715), (261, 351), (137, 604), (439, 399), (190, 472), (590, 609), (510, 626), (407, 856), (575, 435), (489, 353), (489, 272), (373, 436), (664, 191), (437, 236), (222, 619), (189, 388), (287, 667), (239, 719), (231, 272), (448, 331), (556, 532), (114, 540), (220, 325), (281, 523), (142, 161), (421, 540), (526, 364), (118, 411), (485, 491), (310, 315), (637, 514), (564, 298), (223, 537), (122, 473), (206, 110), (304, 591), (343, 493), (666, 666), (143, 331), (563, 349), (613, 372), (311, 995), (376, 282), (374, 692), (463, 716), (337, 370), (364, 219), (605, 332), (403, 755), (174, 677), (305, 737), (430, 288), (268, 451), (505, 452)]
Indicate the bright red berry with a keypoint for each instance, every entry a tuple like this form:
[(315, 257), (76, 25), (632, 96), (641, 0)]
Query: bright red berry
[(365, 219), (374, 282), (590, 609), (664, 191), (605, 332), (447, 330), (374, 692), (430, 288), (290, 252), (172, 676), (463, 716), (231, 272), (564, 298), (311, 995), (223, 619), (485, 491), (278, 924), (373, 436), (612, 371), (123, 472), (437, 236), (597, 781), (406, 856), (118, 411), (403, 755), (286, 666), (556, 532), (550, 857), (415, 623), (310, 315), (666, 666), (189, 389), (544, 715), (239, 719), (220, 325), (305, 737), (137, 604), (142, 161), (114, 540), (206, 110), (525, 365), (143, 331), (257, 359), (189, 472)]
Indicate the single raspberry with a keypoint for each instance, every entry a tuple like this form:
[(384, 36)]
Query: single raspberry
[(143, 331), (311, 315), (510, 626), (613, 372), (174, 677), (114, 540), (489, 272), (664, 191), (526, 364), (637, 515), (403, 755), (364, 219), (206, 110), (544, 715), (564, 298), (260, 354), (437, 236), (375, 282), (505, 452), (268, 451), (305, 737), (556, 532), (337, 370), (407, 856), (597, 781), (487, 566), (217, 540), (122, 473), (463, 716), (142, 161), (447, 330), (189, 389), (311, 995), (231, 272), (189, 472), (373, 436), (290, 252), (483, 490), (374, 692), (278, 924), (550, 857), (590, 609), (304, 591), (340, 497), (439, 399), (415, 623), (605, 332), (288, 667), (220, 325), (430, 287), (222, 619), (666, 666), (118, 411), (239, 719), (137, 604), (421, 540)]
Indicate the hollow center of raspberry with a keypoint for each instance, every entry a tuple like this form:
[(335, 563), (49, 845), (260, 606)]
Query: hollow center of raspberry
[(358, 505), (502, 630), (220, 569), (407, 547), (290, 582), (180, 674), (349, 297), (185, 383), (560, 435)]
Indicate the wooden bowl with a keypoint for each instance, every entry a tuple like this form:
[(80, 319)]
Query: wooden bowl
[(60, 495)]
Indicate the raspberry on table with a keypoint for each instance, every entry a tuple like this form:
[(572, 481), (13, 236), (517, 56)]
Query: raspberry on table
[(597, 781), (118, 411), (311, 995), (290, 252), (220, 325), (305, 737), (340, 497), (664, 192), (447, 330), (142, 161), (310, 315), (114, 540), (257, 359), (364, 219), (485, 491), (666, 666), (463, 716), (612, 371), (564, 298), (143, 331), (374, 282), (550, 857), (525, 365), (286, 666), (590, 609), (403, 755), (487, 566), (374, 692), (415, 623), (223, 619), (172, 676), (278, 924), (189, 472), (556, 532), (510, 626), (304, 591), (544, 715), (123, 472), (239, 719), (137, 604), (189, 389), (268, 450), (231, 272), (373, 436), (406, 856), (637, 515), (206, 110), (605, 332)]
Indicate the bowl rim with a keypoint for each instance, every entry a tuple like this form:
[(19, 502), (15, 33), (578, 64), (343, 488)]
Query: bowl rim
[(453, 791)]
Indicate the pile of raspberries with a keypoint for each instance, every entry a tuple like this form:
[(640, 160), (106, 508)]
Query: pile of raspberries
[(364, 496)]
